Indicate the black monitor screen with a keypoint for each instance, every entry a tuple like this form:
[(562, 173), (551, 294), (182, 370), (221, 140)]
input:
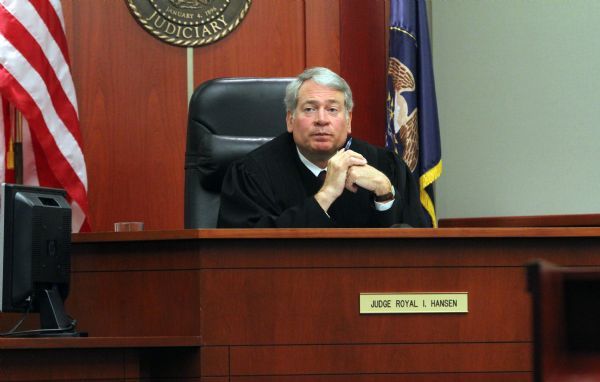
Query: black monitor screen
[(35, 224)]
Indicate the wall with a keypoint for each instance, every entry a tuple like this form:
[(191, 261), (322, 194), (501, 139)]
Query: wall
[(132, 89), (518, 96), (515, 79)]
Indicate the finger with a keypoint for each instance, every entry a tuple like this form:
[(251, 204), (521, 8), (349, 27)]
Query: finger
[(354, 154), (356, 160), (352, 187)]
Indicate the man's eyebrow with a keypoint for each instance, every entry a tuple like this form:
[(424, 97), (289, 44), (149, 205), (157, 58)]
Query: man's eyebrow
[(327, 101)]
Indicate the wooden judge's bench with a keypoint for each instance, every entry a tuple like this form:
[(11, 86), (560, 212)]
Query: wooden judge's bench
[(283, 304)]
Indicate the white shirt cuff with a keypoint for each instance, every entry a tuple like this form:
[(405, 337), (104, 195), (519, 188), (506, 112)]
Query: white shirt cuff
[(384, 206)]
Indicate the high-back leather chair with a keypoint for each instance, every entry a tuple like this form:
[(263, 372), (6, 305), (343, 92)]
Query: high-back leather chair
[(228, 117)]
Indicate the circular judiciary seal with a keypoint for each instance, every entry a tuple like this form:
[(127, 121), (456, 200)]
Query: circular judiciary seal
[(189, 22)]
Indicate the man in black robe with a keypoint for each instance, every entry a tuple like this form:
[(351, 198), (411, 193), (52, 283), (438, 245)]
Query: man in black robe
[(279, 184)]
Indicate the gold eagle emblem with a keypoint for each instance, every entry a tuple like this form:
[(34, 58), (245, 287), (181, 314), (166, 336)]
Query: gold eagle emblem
[(406, 127), (189, 3)]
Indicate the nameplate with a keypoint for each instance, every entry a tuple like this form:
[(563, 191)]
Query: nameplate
[(406, 303)]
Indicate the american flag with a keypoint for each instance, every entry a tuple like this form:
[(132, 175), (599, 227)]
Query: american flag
[(35, 80)]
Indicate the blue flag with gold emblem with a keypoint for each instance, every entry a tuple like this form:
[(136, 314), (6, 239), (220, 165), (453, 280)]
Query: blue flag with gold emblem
[(412, 125)]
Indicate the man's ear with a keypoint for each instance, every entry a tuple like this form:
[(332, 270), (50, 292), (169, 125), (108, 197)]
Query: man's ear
[(289, 119), (349, 123)]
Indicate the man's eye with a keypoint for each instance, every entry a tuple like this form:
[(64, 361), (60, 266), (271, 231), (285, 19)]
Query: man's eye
[(332, 110), (309, 109)]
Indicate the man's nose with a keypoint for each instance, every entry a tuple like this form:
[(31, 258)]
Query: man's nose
[(322, 117)]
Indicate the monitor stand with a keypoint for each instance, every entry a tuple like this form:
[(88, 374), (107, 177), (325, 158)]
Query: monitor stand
[(54, 320)]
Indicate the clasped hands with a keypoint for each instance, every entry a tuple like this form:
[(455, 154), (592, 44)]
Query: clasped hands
[(350, 170)]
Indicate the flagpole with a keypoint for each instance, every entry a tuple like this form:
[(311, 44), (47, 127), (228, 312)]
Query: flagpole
[(18, 147)]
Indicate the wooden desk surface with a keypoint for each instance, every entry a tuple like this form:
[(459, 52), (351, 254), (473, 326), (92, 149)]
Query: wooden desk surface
[(99, 343), (282, 304), (339, 233)]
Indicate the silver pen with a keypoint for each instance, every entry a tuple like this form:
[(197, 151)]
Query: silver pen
[(348, 143)]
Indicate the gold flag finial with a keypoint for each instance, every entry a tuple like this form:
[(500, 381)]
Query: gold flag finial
[(18, 147), (14, 155), (10, 156)]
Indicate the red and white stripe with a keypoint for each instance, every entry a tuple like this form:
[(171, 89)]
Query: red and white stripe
[(35, 78)]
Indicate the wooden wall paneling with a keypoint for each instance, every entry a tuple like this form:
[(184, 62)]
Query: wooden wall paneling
[(268, 43), (319, 253), (134, 303), (408, 377), (323, 34), (281, 304), (68, 365), (215, 360), (98, 359), (380, 359), (297, 298), (363, 64), (132, 99), (581, 220), (132, 90), (133, 256)]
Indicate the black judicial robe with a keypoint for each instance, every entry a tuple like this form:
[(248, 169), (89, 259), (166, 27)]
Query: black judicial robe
[(271, 187)]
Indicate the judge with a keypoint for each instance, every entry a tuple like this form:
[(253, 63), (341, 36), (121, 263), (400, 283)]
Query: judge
[(278, 184)]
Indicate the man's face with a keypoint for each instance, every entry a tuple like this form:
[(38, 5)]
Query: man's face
[(319, 125)]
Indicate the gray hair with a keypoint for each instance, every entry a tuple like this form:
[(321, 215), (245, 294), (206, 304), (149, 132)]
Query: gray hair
[(323, 77)]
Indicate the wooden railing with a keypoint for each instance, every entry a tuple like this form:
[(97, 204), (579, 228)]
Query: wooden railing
[(583, 220)]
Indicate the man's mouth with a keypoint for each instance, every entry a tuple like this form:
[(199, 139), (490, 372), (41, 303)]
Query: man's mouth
[(321, 137)]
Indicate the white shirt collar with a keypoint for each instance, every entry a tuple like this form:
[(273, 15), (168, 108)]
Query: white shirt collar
[(310, 165)]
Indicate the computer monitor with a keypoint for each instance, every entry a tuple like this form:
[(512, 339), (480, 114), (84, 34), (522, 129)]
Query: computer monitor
[(35, 264)]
